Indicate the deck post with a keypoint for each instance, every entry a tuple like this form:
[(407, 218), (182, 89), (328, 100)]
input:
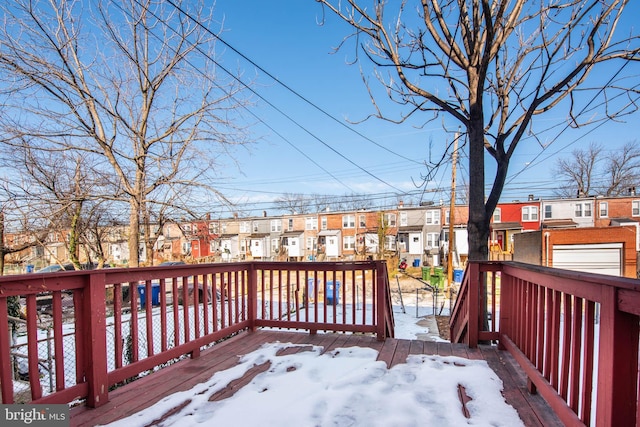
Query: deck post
[(95, 340), (381, 309), (252, 296), (617, 363), (474, 302), (6, 378), (506, 304)]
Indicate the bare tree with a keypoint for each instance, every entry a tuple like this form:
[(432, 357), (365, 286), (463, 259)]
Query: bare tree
[(491, 67), (622, 170), (593, 171), (131, 83), (579, 171), (351, 202), (293, 203), (13, 248), (59, 187)]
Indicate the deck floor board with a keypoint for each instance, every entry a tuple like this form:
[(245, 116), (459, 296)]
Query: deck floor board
[(185, 374)]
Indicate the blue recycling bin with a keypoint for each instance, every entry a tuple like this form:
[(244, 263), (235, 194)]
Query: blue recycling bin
[(155, 294), (416, 262), (332, 292), (457, 275), (30, 268)]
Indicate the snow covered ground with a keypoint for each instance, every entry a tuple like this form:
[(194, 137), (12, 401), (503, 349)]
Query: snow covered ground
[(344, 387)]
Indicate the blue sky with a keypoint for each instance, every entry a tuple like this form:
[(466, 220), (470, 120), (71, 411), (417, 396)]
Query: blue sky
[(309, 153)]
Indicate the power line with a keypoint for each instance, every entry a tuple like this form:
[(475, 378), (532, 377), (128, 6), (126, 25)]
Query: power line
[(266, 101), (287, 87), (567, 126)]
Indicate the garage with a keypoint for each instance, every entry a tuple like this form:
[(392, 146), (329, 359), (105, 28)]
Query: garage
[(603, 258)]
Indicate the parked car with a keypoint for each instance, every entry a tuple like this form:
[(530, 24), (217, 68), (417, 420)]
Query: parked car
[(68, 267), (169, 281), (56, 267), (165, 263)]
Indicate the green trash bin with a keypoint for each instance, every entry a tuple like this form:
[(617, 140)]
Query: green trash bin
[(437, 278), (426, 273)]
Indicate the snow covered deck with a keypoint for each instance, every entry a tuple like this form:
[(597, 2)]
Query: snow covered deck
[(184, 375)]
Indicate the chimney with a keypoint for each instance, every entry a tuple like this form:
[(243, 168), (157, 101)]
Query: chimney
[(264, 214), (400, 204), (531, 197)]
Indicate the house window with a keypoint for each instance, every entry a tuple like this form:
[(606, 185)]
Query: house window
[(547, 212), (447, 216), (245, 227), (497, 215), (276, 225), (390, 243), (214, 227), (275, 245), (583, 209), (310, 223), (348, 242), (323, 223), (529, 213), (433, 240), (348, 221), (433, 217), (390, 219), (255, 226), (362, 221), (290, 225), (635, 208), (404, 220), (186, 248), (604, 209), (310, 243)]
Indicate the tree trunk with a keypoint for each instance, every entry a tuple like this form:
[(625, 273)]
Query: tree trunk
[(134, 233), (478, 225)]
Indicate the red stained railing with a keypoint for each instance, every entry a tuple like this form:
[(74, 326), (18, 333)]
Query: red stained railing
[(576, 335), (106, 327)]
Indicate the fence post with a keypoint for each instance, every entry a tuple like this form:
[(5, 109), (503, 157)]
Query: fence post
[(617, 363), (252, 303), (95, 340)]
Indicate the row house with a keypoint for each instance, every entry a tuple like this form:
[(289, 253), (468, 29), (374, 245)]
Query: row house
[(423, 234), (418, 233), (509, 219)]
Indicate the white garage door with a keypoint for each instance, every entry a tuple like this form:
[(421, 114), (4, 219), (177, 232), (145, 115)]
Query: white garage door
[(605, 258)]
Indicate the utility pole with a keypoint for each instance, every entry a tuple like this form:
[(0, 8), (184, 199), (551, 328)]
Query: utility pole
[(452, 206)]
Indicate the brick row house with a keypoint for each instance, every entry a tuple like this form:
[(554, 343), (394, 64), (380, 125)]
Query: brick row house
[(587, 233)]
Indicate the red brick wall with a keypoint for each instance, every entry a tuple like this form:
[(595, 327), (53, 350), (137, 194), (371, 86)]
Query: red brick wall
[(595, 235)]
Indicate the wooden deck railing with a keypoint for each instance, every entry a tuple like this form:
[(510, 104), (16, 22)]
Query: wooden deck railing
[(574, 334), (87, 332)]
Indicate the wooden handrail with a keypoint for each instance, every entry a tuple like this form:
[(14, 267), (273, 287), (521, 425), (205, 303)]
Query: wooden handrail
[(158, 314), (567, 330)]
